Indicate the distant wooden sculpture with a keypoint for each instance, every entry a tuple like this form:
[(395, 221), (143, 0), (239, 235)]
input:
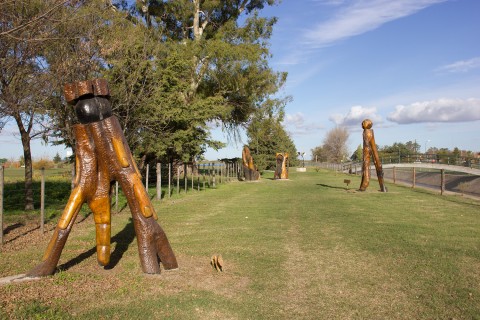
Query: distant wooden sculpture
[(369, 149), (250, 171), (103, 156), (281, 170)]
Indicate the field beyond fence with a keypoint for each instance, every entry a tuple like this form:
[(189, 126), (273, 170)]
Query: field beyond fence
[(310, 247)]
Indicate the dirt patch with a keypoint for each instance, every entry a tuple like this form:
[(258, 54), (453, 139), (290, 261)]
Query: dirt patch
[(197, 273)]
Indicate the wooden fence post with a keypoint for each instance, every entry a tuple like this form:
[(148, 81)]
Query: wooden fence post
[(198, 177), (159, 181), (116, 196), (146, 177), (1, 203), (394, 175), (210, 175), (42, 201), (192, 177), (203, 176), (169, 179), (221, 173), (178, 180), (73, 174), (413, 178), (185, 179), (442, 181), (213, 177)]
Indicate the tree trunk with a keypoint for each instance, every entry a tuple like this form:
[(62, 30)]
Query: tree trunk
[(27, 155)]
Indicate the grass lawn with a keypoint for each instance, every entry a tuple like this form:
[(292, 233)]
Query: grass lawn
[(306, 248)]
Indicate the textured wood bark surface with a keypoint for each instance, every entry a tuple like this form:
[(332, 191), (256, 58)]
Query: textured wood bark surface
[(281, 170), (102, 157), (369, 150), (250, 171)]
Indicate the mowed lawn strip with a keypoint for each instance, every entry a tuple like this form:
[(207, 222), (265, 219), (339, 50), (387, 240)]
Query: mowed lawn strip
[(308, 247)]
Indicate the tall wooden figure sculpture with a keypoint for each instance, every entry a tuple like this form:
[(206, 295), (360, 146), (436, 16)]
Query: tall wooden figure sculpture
[(281, 170), (103, 156), (369, 149), (249, 170)]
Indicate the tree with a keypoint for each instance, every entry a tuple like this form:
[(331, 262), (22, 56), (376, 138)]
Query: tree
[(197, 66), (57, 158), (23, 81), (318, 154), (44, 44), (266, 136), (358, 154), (335, 144)]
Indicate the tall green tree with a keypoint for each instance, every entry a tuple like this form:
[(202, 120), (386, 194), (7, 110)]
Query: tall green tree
[(199, 66), (267, 136)]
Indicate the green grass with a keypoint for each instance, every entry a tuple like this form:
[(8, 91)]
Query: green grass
[(306, 248)]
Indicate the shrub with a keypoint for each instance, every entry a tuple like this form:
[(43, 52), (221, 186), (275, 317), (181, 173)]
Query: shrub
[(43, 163)]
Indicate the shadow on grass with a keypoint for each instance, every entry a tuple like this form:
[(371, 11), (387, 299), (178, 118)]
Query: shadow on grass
[(331, 187), (12, 227), (122, 239), (23, 234)]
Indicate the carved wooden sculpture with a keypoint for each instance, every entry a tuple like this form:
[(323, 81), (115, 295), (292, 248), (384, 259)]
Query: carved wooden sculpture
[(370, 148), (281, 170), (249, 170), (103, 156)]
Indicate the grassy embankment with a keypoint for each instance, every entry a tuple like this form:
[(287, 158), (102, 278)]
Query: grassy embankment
[(305, 248)]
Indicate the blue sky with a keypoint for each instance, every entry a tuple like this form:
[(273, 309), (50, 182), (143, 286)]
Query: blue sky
[(411, 66)]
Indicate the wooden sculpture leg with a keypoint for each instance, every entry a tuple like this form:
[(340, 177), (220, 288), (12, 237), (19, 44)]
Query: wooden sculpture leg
[(152, 242), (58, 240), (153, 245), (101, 214), (365, 175), (85, 186)]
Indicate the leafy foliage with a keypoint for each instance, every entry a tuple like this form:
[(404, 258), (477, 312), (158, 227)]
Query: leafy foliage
[(266, 136)]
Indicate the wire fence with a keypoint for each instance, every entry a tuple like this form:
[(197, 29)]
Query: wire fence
[(442, 180), (51, 187)]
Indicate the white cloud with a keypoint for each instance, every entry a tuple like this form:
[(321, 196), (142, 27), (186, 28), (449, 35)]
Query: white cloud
[(441, 110), (355, 116), (330, 2), (362, 16), (297, 125), (461, 66)]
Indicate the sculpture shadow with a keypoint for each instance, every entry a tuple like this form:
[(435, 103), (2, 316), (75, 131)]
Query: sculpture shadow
[(331, 187), (12, 227), (122, 239), (18, 225)]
